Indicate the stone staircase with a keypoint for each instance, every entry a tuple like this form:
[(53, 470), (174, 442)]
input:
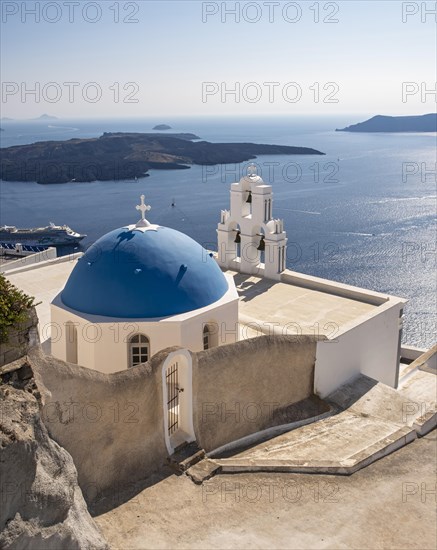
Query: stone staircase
[(369, 420), (186, 456)]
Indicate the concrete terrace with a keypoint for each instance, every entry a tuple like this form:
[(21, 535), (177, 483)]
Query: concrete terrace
[(326, 309), (266, 304)]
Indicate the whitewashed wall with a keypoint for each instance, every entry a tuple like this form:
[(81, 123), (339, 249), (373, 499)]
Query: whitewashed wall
[(103, 342), (370, 348)]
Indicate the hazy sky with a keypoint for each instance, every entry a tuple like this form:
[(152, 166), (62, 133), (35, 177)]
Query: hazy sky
[(185, 57)]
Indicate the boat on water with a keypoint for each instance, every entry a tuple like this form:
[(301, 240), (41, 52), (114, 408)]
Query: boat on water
[(52, 235)]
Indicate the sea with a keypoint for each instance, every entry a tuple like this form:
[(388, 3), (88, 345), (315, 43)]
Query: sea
[(363, 214)]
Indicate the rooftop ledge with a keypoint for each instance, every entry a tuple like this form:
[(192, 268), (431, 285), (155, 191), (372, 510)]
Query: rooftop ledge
[(302, 304), (321, 285), (339, 289)]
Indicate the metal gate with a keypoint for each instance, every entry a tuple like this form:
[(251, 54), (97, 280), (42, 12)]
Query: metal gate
[(172, 398)]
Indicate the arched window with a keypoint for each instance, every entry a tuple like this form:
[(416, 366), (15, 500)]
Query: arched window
[(206, 337), (139, 349)]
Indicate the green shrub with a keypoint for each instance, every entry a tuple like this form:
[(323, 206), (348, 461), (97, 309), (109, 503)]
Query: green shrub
[(14, 307)]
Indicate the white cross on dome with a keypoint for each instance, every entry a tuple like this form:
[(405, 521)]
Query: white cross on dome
[(143, 208)]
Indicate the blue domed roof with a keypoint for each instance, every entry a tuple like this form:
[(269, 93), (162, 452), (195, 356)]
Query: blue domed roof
[(155, 273)]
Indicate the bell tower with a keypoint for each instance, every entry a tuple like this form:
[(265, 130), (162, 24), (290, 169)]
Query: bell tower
[(249, 239)]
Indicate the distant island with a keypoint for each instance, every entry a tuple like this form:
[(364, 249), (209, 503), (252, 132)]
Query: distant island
[(118, 156), (42, 117), (380, 123), (45, 117), (162, 127)]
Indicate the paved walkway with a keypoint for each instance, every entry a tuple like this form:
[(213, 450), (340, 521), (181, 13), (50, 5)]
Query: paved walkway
[(371, 420), (387, 506)]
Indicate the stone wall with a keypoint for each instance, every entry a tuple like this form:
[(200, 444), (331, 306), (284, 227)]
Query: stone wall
[(20, 339), (239, 388), (111, 424)]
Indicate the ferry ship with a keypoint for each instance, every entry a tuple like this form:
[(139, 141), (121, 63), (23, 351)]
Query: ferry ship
[(52, 235)]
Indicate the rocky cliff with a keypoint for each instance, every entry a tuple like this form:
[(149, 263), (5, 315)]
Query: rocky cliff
[(42, 505)]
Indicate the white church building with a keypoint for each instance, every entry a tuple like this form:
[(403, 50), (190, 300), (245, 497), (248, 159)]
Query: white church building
[(140, 289), (226, 362), (143, 288)]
